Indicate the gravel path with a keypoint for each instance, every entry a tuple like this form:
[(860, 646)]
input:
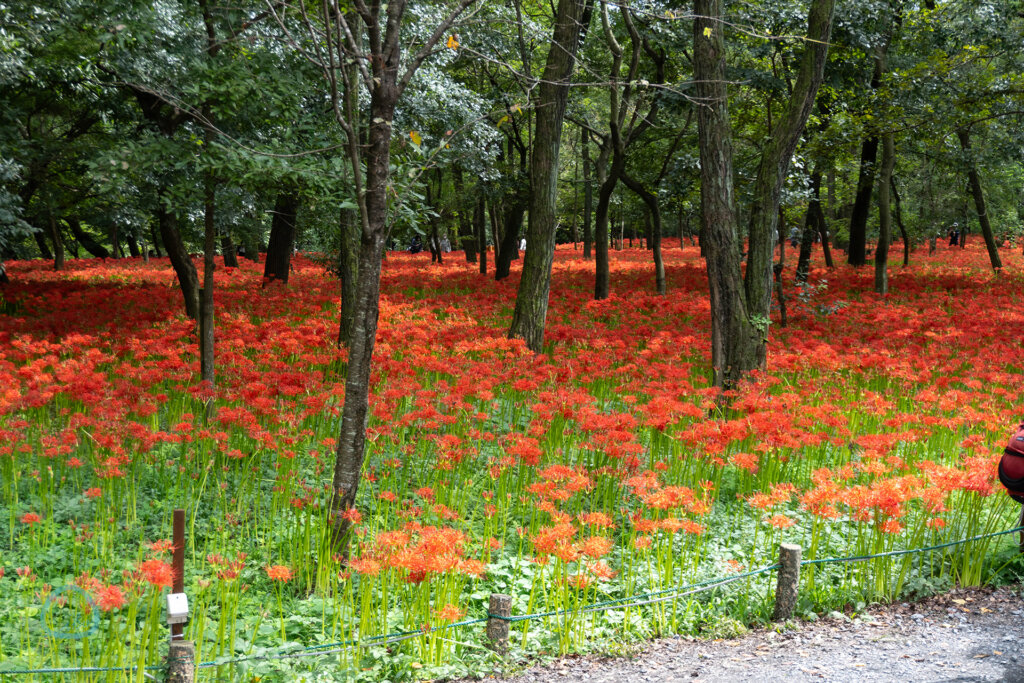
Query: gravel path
[(966, 635)]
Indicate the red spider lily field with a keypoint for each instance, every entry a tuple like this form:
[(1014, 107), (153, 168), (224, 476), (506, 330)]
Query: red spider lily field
[(602, 469)]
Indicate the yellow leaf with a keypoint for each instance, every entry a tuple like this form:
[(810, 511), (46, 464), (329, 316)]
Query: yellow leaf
[(453, 43), (707, 32), (502, 120), (415, 137)]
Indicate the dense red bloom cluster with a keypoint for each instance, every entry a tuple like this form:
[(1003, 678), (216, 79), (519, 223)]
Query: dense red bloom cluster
[(613, 432)]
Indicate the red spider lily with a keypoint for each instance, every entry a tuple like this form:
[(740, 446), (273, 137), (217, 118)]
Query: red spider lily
[(279, 573), (157, 573)]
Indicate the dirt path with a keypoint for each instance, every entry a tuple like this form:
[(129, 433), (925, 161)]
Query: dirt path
[(966, 635)]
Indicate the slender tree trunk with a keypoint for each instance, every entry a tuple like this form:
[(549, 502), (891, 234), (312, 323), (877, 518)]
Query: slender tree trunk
[(899, 221), (531, 310), (740, 307), (282, 237), (588, 194), (480, 225), (654, 239), (155, 236), (601, 224), (206, 320), (467, 234), (133, 246), (348, 269), (188, 279), (227, 248), (884, 216), (857, 251), (44, 248), (91, 245), (811, 220), (58, 245), (732, 335), (823, 233), (515, 208), (115, 242), (773, 169), (974, 182)]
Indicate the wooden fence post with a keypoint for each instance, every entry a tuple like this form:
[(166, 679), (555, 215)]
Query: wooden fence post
[(497, 628), (789, 580)]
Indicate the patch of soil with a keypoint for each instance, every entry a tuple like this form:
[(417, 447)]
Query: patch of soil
[(964, 635)]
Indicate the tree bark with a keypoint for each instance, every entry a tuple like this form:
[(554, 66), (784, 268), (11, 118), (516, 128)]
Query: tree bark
[(773, 169), (601, 225), (480, 225), (467, 233), (515, 208), (588, 194), (899, 220), (732, 334), (884, 215), (206, 321), (654, 238), (227, 248), (282, 237), (58, 245), (348, 269), (91, 245), (188, 279), (857, 251), (531, 310), (803, 265), (740, 308), (974, 181)]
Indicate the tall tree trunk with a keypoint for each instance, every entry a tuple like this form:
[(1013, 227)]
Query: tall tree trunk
[(480, 224), (515, 208), (531, 310), (588, 194), (899, 221), (155, 236), (773, 169), (282, 237), (803, 264), (58, 245), (823, 233), (115, 242), (601, 227), (974, 181), (188, 279), (857, 252), (467, 235), (206, 320), (348, 462), (227, 248), (733, 337), (44, 248), (133, 246), (654, 237), (348, 269), (884, 216), (740, 307), (91, 245)]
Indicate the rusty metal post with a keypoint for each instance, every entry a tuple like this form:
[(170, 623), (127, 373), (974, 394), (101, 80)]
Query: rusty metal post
[(498, 627), (178, 565)]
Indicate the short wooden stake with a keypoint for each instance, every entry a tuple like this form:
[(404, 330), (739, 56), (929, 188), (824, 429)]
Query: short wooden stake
[(181, 662), (789, 580), (497, 628)]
